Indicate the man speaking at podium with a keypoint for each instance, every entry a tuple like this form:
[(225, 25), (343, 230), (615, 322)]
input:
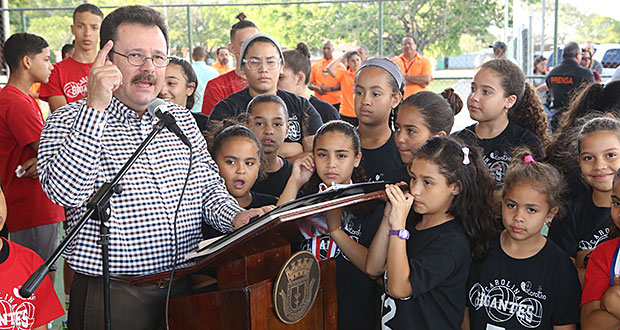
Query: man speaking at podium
[(85, 143)]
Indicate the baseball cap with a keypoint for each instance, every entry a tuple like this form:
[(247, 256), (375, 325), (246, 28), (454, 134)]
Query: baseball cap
[(498, 44)]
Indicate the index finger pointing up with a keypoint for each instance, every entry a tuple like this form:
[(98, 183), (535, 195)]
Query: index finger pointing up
[(102, 55)]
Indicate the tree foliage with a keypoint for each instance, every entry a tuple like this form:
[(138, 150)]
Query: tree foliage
[(441, 27)]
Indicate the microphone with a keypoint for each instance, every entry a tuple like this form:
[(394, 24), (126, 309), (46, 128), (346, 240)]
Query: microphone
[(157, 108)]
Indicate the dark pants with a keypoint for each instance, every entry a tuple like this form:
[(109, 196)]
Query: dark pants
[(135, 307)]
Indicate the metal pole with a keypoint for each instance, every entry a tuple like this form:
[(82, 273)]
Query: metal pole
[(23, 20), (5, 18), (555, 34), (542, 32), (189, 31), (381, 28), (505, 39)]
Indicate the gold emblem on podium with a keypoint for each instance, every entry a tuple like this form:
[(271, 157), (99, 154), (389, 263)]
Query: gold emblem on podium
[(296, 287)]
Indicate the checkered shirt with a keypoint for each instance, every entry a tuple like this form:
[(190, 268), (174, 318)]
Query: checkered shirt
[(82, 148)]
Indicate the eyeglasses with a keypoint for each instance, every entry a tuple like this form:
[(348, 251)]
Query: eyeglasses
[(586, 58), (137, 59), (255, 64)]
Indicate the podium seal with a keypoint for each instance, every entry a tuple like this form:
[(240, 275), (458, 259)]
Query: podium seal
[(296, 287)]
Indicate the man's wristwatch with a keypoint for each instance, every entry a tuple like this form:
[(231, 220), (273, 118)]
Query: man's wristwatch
[(401, 233)]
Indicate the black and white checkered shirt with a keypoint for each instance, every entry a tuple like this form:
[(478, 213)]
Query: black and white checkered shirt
[(82, 148)]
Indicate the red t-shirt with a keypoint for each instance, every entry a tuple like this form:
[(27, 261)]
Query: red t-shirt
[(17, 313), (69, 78), (21, 123), (598, 271), (220, 88)]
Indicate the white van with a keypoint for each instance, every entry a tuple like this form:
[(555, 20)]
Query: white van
[(609, 56)]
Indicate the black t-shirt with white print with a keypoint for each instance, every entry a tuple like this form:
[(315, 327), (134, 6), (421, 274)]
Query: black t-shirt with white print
[(496, 152), (379, 163), (582, 226), (357, 293), (274, 182), (439, 262), (532, 293), (300, 112)]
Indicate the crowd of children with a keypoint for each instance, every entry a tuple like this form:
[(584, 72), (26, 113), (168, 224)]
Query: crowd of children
[(461, 239), (465, 244)]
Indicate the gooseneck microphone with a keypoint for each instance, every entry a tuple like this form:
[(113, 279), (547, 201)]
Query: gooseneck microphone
[(157, 108)]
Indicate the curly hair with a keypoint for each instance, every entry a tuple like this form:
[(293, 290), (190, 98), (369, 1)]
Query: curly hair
[(454, 99), (542, 177), (527, 111), (473, 205), (592, 96)]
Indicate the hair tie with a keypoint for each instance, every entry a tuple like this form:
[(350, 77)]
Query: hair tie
[(465, 155), (528, 159)]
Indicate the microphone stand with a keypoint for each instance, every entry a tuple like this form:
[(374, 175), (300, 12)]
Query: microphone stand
[(98, 208)]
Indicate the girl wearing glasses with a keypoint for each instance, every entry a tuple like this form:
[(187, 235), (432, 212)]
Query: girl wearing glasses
[(261, 64)]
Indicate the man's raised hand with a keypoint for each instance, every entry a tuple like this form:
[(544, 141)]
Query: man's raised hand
[(103, 80)]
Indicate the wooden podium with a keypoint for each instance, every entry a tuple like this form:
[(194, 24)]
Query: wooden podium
[(246, 263)]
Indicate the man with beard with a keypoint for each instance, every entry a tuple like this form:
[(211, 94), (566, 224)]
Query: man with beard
[(86, 142), (221, 65)]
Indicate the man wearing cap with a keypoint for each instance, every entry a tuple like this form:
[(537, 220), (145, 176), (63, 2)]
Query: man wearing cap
[(84, 144), (416, 69), (325, 86), (564, 78), (499, 49), (261, 63)]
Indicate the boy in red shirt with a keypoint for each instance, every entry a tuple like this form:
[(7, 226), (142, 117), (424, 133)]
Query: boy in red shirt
[(231, 82), (17, 263), (69, 79), (34, 221)]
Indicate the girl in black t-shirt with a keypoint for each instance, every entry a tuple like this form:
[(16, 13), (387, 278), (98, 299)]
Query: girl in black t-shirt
[(420, 117), (586, 222), (345, 236), (238, 156), (424, 255), (526, 281), (508, 112), (378, 89), (268, 119)]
